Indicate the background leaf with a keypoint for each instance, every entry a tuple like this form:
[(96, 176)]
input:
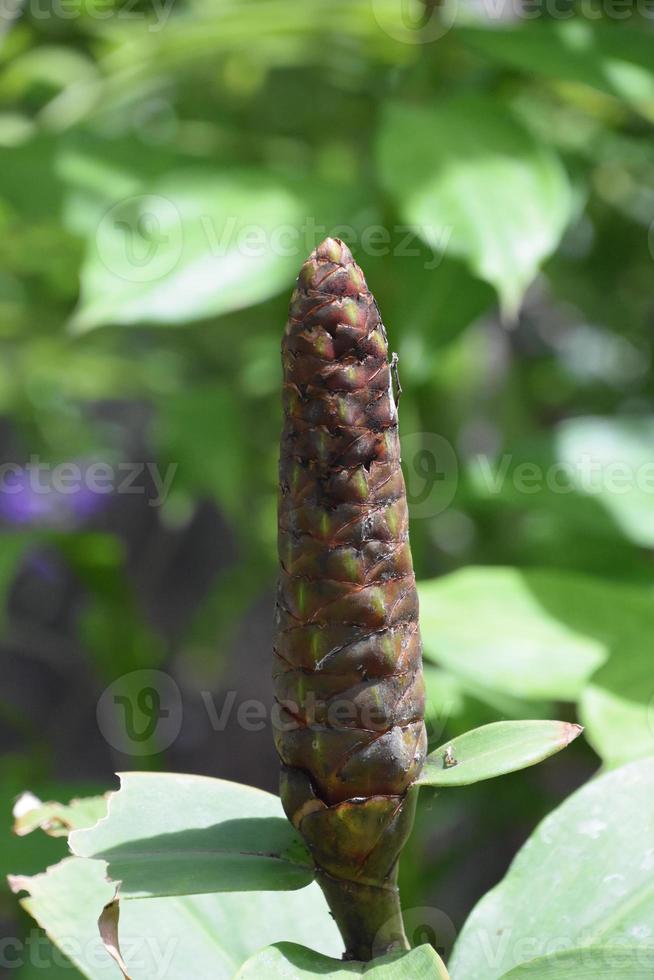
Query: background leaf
[(189, 247), (534, 633), (521, 632), (612, 461), (614, 61), (56, 819), (618, 710), (594, 963), (585, 876), (473, 183)]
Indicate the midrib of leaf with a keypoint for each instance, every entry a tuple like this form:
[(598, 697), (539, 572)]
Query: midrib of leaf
[(136, 856)]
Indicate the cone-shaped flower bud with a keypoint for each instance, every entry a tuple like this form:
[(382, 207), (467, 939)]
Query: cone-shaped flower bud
[(347, 657)]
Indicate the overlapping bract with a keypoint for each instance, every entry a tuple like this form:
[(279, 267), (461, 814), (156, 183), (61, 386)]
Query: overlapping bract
[(347, 658)]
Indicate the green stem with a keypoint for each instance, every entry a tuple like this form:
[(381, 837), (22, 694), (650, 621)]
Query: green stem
[(369, 917)]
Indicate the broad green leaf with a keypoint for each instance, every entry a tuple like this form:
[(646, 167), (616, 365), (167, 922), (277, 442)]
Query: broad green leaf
[(40, 850), (200, 936), (446, 695), (97, 173), (56, 819), (493, 750), (444, 698), (29, 856), (617, 62), (584, 877), (612, 461), (593, 963), (617, 708), (473, 183), (540, 490), (532, 489), (525, 633), (545, 634), (170, 834), (188, 247), (291, 962), (66, 901)]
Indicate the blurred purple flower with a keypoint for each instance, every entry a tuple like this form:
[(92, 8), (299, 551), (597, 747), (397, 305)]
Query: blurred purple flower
[(25, 502)]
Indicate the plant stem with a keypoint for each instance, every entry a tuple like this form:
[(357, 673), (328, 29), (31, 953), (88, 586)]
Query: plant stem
[(369, 916)]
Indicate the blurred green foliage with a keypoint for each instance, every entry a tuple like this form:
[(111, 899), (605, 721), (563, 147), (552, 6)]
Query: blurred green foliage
[(164, 170)]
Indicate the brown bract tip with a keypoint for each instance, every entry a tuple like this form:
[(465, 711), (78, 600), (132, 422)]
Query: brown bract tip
[(333, 250), (332, 271), (572, 731)]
